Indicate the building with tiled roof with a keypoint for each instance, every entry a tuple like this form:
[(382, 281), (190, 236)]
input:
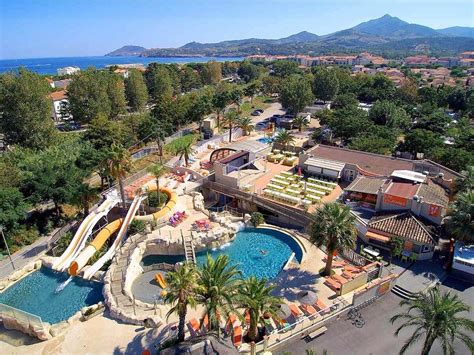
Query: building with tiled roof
[(416, 236), (59, 102)]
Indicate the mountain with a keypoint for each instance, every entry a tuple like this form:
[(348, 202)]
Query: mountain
[(458, 31), (386, 35), (128, 50), (394, 28)]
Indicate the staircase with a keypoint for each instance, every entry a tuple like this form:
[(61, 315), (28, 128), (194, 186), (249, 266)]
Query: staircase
[(188, 249), (403, 293)]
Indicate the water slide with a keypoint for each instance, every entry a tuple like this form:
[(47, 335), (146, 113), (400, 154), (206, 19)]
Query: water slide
[(81, 260), (101, 238), (160, 280), (84, 231)]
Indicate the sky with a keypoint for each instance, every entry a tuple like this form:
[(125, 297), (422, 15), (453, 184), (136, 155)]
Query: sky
[(62, 28)]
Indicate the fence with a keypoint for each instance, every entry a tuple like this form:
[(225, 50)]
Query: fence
[(302, 326), (22, 321)]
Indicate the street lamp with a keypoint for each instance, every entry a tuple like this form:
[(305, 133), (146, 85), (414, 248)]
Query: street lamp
[(6, 245)]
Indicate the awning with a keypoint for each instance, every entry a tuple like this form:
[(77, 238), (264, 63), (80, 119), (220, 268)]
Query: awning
[(379, 237), (325, 164)]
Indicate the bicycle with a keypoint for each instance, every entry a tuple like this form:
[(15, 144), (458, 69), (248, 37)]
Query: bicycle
[(359, 322), (353, 314)]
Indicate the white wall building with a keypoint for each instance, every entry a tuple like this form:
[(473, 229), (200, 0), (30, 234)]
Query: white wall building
[(68, 70)]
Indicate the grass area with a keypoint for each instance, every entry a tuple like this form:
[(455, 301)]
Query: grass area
[(259, 102)]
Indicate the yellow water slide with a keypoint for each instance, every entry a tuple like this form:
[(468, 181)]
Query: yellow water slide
[(94, 246), (115, 226), (168, 208)]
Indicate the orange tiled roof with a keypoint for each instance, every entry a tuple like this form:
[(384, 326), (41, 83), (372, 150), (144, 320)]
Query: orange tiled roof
[(58, 95)]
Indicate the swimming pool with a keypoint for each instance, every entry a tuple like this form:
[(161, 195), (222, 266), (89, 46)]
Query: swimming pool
[(36, 294), (260, 252), (265, 140)]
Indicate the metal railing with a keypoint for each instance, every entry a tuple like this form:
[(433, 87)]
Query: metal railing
[(303, 325)]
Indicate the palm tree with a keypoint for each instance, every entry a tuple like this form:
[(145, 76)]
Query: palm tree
[(181, 294), (284, 138), (183, 147), (300, 122), (461, 221), (435, 316), (231, 119), (466, 183), (218, 284), (157, 170), (334, 227), (246, 124), (119, 163), (255, 296)]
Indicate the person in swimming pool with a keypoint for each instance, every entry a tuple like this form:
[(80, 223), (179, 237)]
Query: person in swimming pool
[(263, 252)]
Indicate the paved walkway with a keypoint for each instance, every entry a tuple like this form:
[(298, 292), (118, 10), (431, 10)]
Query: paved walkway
[(27, 254)]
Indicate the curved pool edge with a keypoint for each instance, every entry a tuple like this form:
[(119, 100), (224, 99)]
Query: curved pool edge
[(304, 251)]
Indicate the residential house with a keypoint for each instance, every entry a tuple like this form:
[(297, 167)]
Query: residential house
[(59, 104)]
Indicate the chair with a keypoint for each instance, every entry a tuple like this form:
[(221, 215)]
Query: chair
[(193, 325), (308, 310), (413, 257), (404, 258), (295, 311)]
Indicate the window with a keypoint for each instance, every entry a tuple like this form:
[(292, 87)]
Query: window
[(426, 249)]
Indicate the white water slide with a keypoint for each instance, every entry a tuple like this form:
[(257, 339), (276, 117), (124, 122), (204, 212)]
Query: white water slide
[(118, 239), (84, 231)]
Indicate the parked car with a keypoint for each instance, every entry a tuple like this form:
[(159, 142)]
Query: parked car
[(256, 113), (259, 110)]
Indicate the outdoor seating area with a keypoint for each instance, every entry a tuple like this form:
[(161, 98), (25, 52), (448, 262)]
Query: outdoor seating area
[(201, 225), (177, 218), (294, 189), (349, 272), (283, 157)]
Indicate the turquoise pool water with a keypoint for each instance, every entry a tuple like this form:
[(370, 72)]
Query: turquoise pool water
[(259, 252), (265, 140), (36, 294)]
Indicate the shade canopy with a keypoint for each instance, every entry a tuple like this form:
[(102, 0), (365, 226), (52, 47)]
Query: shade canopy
[(284, 311), (307, 297)]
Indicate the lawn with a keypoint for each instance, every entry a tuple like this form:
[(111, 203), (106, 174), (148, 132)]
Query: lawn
[(259, 102)]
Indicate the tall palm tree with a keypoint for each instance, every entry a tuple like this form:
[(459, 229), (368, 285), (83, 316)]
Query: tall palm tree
[(435, 316), (232, 118), (181, 294), (255, 296), (218, 283), (461, 217), (119, 163), (246, 125), (183, 147), (284, 138), (334, 227), (300, 122), (157, 170)]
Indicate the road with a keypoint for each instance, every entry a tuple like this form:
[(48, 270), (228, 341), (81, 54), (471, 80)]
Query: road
[(274, 109), (377, 336)]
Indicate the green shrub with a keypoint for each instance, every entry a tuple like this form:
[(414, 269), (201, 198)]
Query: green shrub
[(136, 226), (153, 199), (256, 219)]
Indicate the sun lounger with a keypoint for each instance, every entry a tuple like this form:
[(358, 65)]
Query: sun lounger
[(339, 278), (230, 322), (333, 284), (352, 269), (193, 326), (308, 310), (295, 310), (237, 336), (321, 307)]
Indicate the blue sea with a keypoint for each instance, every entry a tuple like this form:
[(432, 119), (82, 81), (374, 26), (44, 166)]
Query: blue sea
[(50, 65)]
